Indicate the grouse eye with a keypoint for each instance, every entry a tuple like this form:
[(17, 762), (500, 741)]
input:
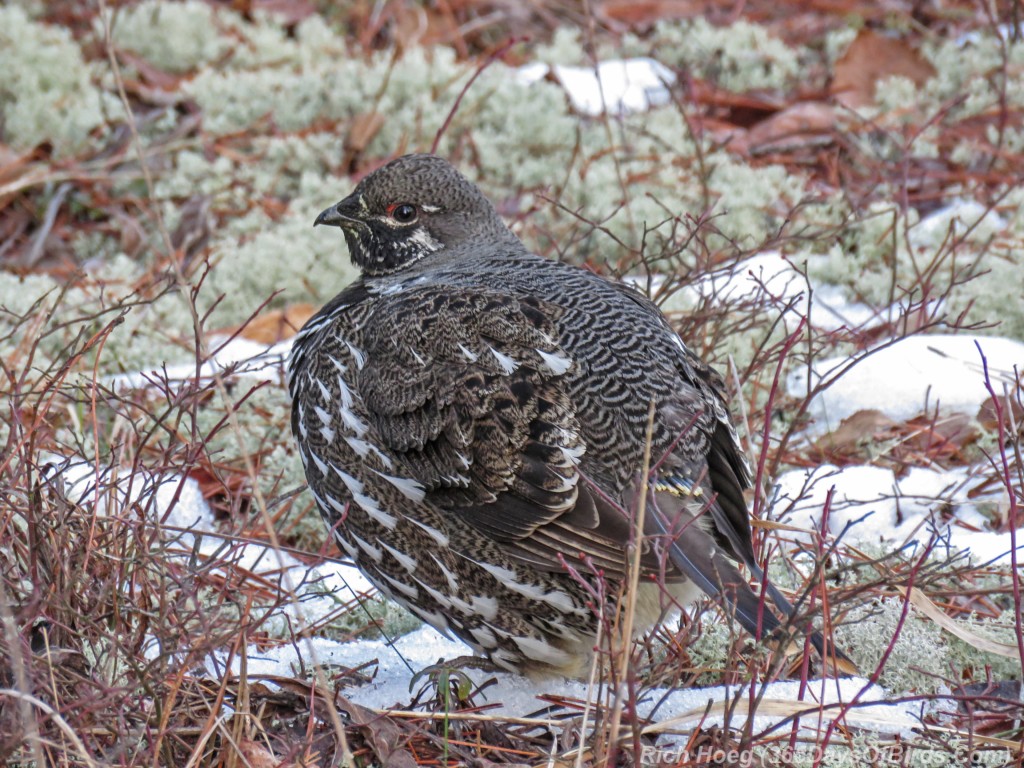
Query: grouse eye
[(403, 213)]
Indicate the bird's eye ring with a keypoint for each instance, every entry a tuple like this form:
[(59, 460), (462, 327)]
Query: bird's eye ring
[(403, 213)]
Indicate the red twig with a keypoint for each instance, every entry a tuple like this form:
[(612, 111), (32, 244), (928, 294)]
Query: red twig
[(762, 458), (498, 54), (880, 667), (1011, 492)]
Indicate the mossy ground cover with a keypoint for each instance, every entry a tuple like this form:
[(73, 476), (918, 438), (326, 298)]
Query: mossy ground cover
[(160, 167)]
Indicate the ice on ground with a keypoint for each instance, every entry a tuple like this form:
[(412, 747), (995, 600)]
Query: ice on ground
[(617, 86), (677, 710), (173, 500), (389, 689), (176, 503), (768, 278), (235, 357), (956, 218), (911, 376), (861, 704), (770, 275), (871, 506)]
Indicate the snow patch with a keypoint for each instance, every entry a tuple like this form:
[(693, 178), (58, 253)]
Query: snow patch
[(517, 696), (871, 506), (912, 376), (238, 357), (176, 502), (616, 87)]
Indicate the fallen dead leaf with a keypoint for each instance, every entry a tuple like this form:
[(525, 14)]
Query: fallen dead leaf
[(218, 485), (870, 58), (645, 13), (383, 736), (12, 166), (850, 437), (256, 755), (361, 131), (1011, 411), (799, 124), (941, 438), (278, 324)]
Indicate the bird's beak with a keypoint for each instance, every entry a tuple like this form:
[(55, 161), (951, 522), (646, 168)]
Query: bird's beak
[(328, 216), (339, 215)]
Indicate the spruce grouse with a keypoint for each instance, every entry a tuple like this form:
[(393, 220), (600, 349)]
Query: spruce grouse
[(472, 421)]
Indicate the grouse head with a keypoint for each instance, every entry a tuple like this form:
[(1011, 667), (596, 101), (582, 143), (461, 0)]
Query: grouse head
[(410, 208)]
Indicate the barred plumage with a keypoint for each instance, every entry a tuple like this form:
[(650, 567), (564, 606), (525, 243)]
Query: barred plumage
[(472, 422)]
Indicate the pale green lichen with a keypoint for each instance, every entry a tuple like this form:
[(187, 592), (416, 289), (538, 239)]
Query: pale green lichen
[(966, 252), (866, 250), (1010, 139), (837, 42), (896, 96), (516, 149), (710, 648), (918, 661), (234, 101), (923, 657), (970, 76), (284, 263), (1011, 206), (757, 199), (47, 93), (193, 174), (265, 43), (175, 37), (261, 412), (965, 656), (155, 326), (20, 293), (373, 617), (565, 48), (280, 163), (738, 57)]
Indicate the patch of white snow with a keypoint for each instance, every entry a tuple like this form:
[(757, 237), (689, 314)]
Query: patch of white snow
[(616, 87), (912, 376)]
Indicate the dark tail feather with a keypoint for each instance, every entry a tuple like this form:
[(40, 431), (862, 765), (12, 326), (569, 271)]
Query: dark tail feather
[(827, 650), (694, 552)]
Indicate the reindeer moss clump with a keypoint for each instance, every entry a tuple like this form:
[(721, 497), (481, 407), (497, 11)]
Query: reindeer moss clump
[(923, 656), (176, 37), (261, 410), (711, 647), (284, 262), (965, 656), (145, 320), (738, 57), (963, 253), (974, 74), (918, 661), (47, 93)]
